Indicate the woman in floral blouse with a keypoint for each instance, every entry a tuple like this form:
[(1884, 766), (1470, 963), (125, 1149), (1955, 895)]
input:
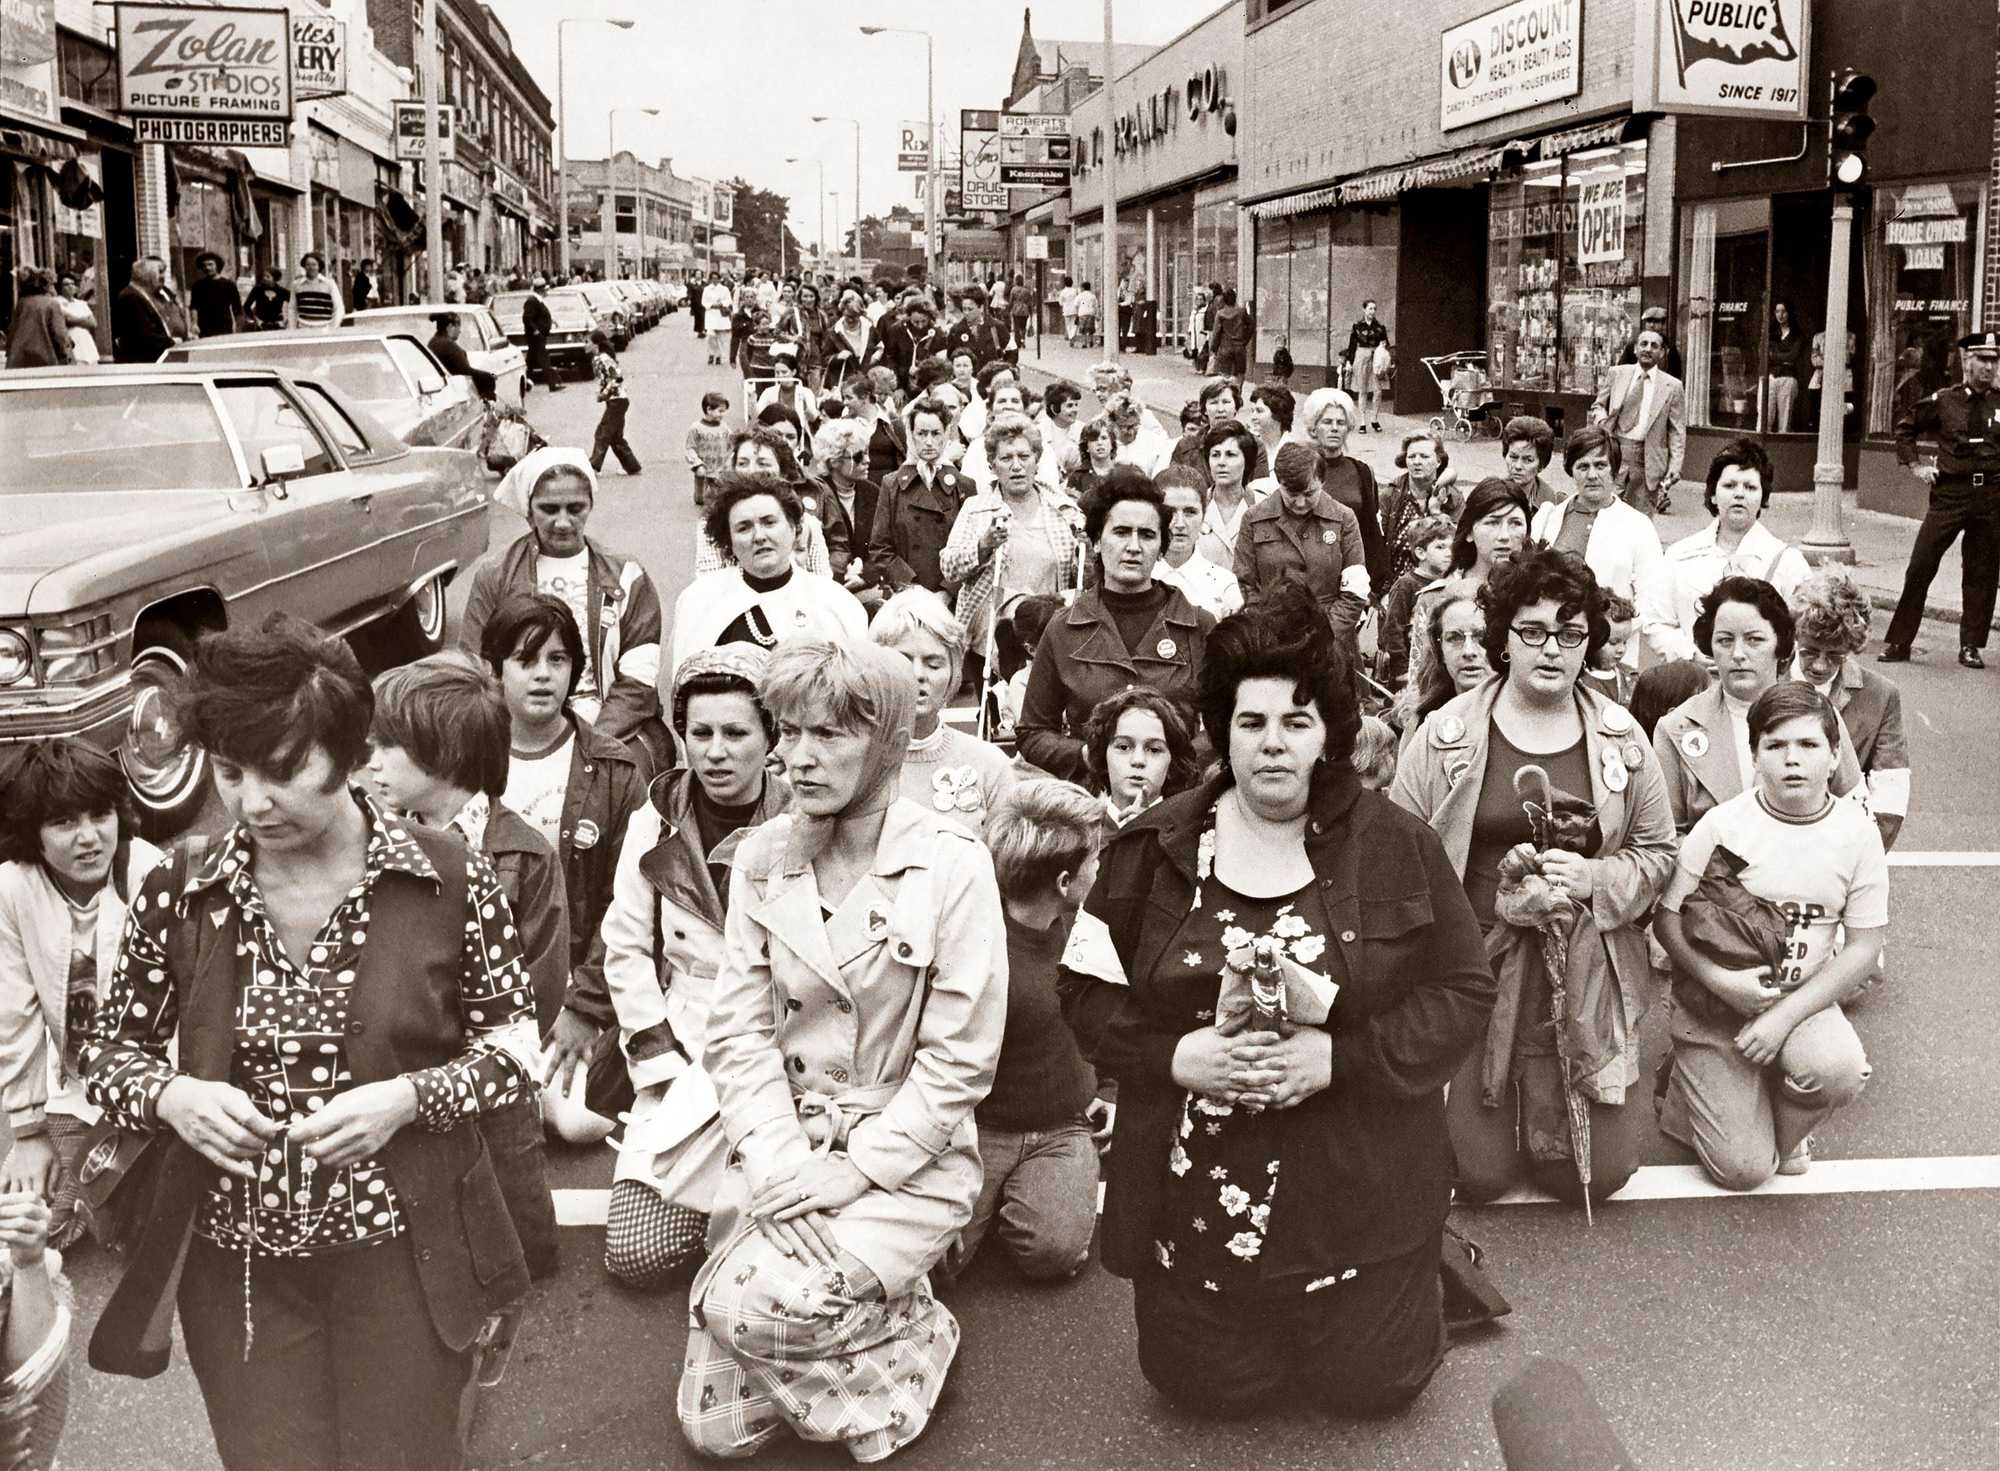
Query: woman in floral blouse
[(1278, 1186), (346, 994)]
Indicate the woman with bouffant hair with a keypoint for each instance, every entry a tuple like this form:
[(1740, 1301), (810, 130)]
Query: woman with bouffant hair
[(1280, 1173)]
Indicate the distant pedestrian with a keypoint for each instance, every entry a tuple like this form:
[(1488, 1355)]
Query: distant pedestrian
[(716, 307), (77, 314), (265, 307), (708, 444), (38, 337), (315, 299), (139, 326), (536, 324), (1365, 339), (610, 437), (216, 302), (362, 294), (1083, 316), (1231, 337)]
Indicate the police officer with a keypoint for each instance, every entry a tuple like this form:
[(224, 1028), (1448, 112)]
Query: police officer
[(1965, 496)]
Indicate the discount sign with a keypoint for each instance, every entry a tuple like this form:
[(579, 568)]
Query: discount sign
[(1600, 221)]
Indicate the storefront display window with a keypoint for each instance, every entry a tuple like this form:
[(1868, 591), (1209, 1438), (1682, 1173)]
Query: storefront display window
[(1313, 273), (1215, 237), (1524, 233), (1274, 288), (1309, 292), (1923, 279)]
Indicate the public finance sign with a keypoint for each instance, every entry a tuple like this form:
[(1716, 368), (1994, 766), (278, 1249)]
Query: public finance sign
[(1516, 57), (215, 62), (1733, 58)]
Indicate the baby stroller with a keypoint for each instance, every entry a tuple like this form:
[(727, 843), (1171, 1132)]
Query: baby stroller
[(1467, 392)]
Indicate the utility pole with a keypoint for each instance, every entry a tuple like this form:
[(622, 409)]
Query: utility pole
[(1107, 294), (1848, 129), (433, 162)]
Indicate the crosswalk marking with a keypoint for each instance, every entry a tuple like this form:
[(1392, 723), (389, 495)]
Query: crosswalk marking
[(1651, 1182), (1917, 858)]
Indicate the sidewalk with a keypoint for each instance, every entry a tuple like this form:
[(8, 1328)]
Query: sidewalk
[(1881, 542)]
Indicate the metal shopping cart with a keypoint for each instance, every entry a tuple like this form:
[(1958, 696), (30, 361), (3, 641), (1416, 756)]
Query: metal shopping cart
[(1467, 392)]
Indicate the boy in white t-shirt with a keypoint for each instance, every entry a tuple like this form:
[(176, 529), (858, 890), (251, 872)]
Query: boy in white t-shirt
[(1761, 1059)]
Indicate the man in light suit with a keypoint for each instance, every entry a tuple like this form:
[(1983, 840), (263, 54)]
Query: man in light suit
[(1642, 405)]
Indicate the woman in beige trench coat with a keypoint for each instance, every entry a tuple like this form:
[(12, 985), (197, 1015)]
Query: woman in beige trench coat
[(855, 1023)]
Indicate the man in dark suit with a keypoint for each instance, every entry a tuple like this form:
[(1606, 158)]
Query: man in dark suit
[(139, 331), (974, 333)]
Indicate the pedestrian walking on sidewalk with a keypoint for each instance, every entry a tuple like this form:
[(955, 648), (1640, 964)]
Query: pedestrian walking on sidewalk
[(1964, 496), (610, 436), (1363, 339)]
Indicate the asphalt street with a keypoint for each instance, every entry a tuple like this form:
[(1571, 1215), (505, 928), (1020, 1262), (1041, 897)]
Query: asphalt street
[(1847, 1322)]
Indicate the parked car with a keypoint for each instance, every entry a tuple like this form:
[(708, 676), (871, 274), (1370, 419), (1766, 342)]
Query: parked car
[(390, 374), (142, 506), (612, 314), (486, 346), (645, 310), (569, 338)]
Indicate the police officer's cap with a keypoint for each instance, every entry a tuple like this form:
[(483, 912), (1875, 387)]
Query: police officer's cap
[(1988, 341)]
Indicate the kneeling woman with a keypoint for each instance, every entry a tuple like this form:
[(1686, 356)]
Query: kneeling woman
[(662, 944), (1277, 1194), (856, 1023), (1461, 772), (1763, 1053)]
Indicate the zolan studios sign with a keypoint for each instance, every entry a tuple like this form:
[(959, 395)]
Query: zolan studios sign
[(1516, 57), (195, 61), (1732, 58)]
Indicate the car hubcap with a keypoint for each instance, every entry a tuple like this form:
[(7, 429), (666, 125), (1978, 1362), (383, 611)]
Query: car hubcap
[(430, 609), (158, 758)]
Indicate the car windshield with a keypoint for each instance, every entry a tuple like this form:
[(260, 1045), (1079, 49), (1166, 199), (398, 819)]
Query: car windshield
[(597, 293), (362, 369), (567, 312), (420, 325), (113, 436)]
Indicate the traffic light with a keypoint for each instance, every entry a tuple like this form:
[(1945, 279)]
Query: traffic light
[(1847, 151)]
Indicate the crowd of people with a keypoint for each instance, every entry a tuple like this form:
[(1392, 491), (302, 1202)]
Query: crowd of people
[(1315, 833)]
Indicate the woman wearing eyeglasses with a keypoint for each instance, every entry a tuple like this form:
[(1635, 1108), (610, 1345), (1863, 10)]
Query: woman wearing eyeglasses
[(1544, 619)]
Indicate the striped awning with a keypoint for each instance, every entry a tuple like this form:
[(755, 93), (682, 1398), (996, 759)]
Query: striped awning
[(1372, 188), (1296, 204), (1471, 163), (1599, 134)]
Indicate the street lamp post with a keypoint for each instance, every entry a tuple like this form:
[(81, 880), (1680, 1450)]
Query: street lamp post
[(931, 148), (854, 123), (611, 193), (819, 163), (562, 135)]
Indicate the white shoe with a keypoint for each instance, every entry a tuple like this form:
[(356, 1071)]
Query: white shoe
[(1799, 1160)]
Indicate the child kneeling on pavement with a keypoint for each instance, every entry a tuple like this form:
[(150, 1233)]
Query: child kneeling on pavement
[(1763, 1053), (1036, 1126)]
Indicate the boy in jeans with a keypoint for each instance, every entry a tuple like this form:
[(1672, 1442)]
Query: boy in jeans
[(708, 444)]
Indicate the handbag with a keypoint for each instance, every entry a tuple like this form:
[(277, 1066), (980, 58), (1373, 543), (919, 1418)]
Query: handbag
[(1385, 360)]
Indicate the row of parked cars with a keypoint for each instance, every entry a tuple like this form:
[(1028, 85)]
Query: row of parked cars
[(327, 472)]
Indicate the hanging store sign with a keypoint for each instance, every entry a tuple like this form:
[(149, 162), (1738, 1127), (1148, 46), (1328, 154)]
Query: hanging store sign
[(913, 149), (1731, 58), (410, 131), (319, 57), (979, 159), (28, 59), (185, 61), (1600, 221), (1034, 150), (213, 132), (1509, 59)]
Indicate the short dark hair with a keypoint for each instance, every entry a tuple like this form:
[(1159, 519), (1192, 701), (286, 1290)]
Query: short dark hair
[(1588, 440), (1753, 592), (775, 413), (986, 375), (714, 400), (1059, 393), (266, 697), (448, 716), (525, 622), (1424, 530), (1015, 637), (1535, 431), (1488, 496), (1236, 431), (1121, 483), (1281, 636), (1542, 574), (57, 780), (1664, 686), (1741, 454), (1295, 466), (732, 489), (1215, 388), (1423, 436), (788, 460), (1181, 477), (1183, 770), (932, 371), (718, 682), (930, 406), (1278, 399), (1792, 699)]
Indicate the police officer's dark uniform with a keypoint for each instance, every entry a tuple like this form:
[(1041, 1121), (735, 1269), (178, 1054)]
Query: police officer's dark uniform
[(1966, 497)]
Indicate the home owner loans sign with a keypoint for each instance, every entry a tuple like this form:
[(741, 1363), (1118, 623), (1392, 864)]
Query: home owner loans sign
[(1518, 56), (208, 62)]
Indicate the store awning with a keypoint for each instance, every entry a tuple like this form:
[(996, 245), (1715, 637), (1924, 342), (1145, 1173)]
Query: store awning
[(501, 201), (1469, 163), (1599, 134), (1296, 204), (41, 148)]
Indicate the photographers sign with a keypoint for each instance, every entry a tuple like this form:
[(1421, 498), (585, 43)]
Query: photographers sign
[(218, 62)]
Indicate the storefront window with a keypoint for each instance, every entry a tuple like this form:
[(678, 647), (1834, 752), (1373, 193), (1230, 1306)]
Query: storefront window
[(1274, 288), (1725, 251), (1309, 292), (1215, 238), (1524, 233), (1923, 271), (1604, 238)]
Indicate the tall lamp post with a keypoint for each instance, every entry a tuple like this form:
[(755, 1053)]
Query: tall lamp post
[(562, 133), (854, 123), (820, 164), (611, 192), (931, 150)]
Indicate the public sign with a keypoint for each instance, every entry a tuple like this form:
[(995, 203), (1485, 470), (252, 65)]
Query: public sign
[(28, 59), (213, 132), (979, 181), (319, 56), (1600, 221), (1034, 150), (1519, 56), (913, 150), (1035, 247), (410, 131), (198, 61), (1731, 58)]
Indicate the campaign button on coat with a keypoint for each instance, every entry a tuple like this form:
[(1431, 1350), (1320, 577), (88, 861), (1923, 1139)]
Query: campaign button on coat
[(1695, 744)]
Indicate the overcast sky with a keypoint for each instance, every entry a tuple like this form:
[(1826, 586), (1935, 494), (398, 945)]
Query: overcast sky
[(737, 81)]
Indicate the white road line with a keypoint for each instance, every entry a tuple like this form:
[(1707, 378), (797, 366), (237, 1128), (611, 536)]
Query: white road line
[(1917, 858), (1652, 1182)]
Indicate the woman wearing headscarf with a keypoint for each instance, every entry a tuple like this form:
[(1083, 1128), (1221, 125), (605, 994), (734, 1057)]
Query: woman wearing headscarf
[(1325, 423), (760, 595), (662, 948), (613, 600), (855, 1024)]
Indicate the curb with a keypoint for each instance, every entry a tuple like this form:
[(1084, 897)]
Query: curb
[(1883, 601)]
